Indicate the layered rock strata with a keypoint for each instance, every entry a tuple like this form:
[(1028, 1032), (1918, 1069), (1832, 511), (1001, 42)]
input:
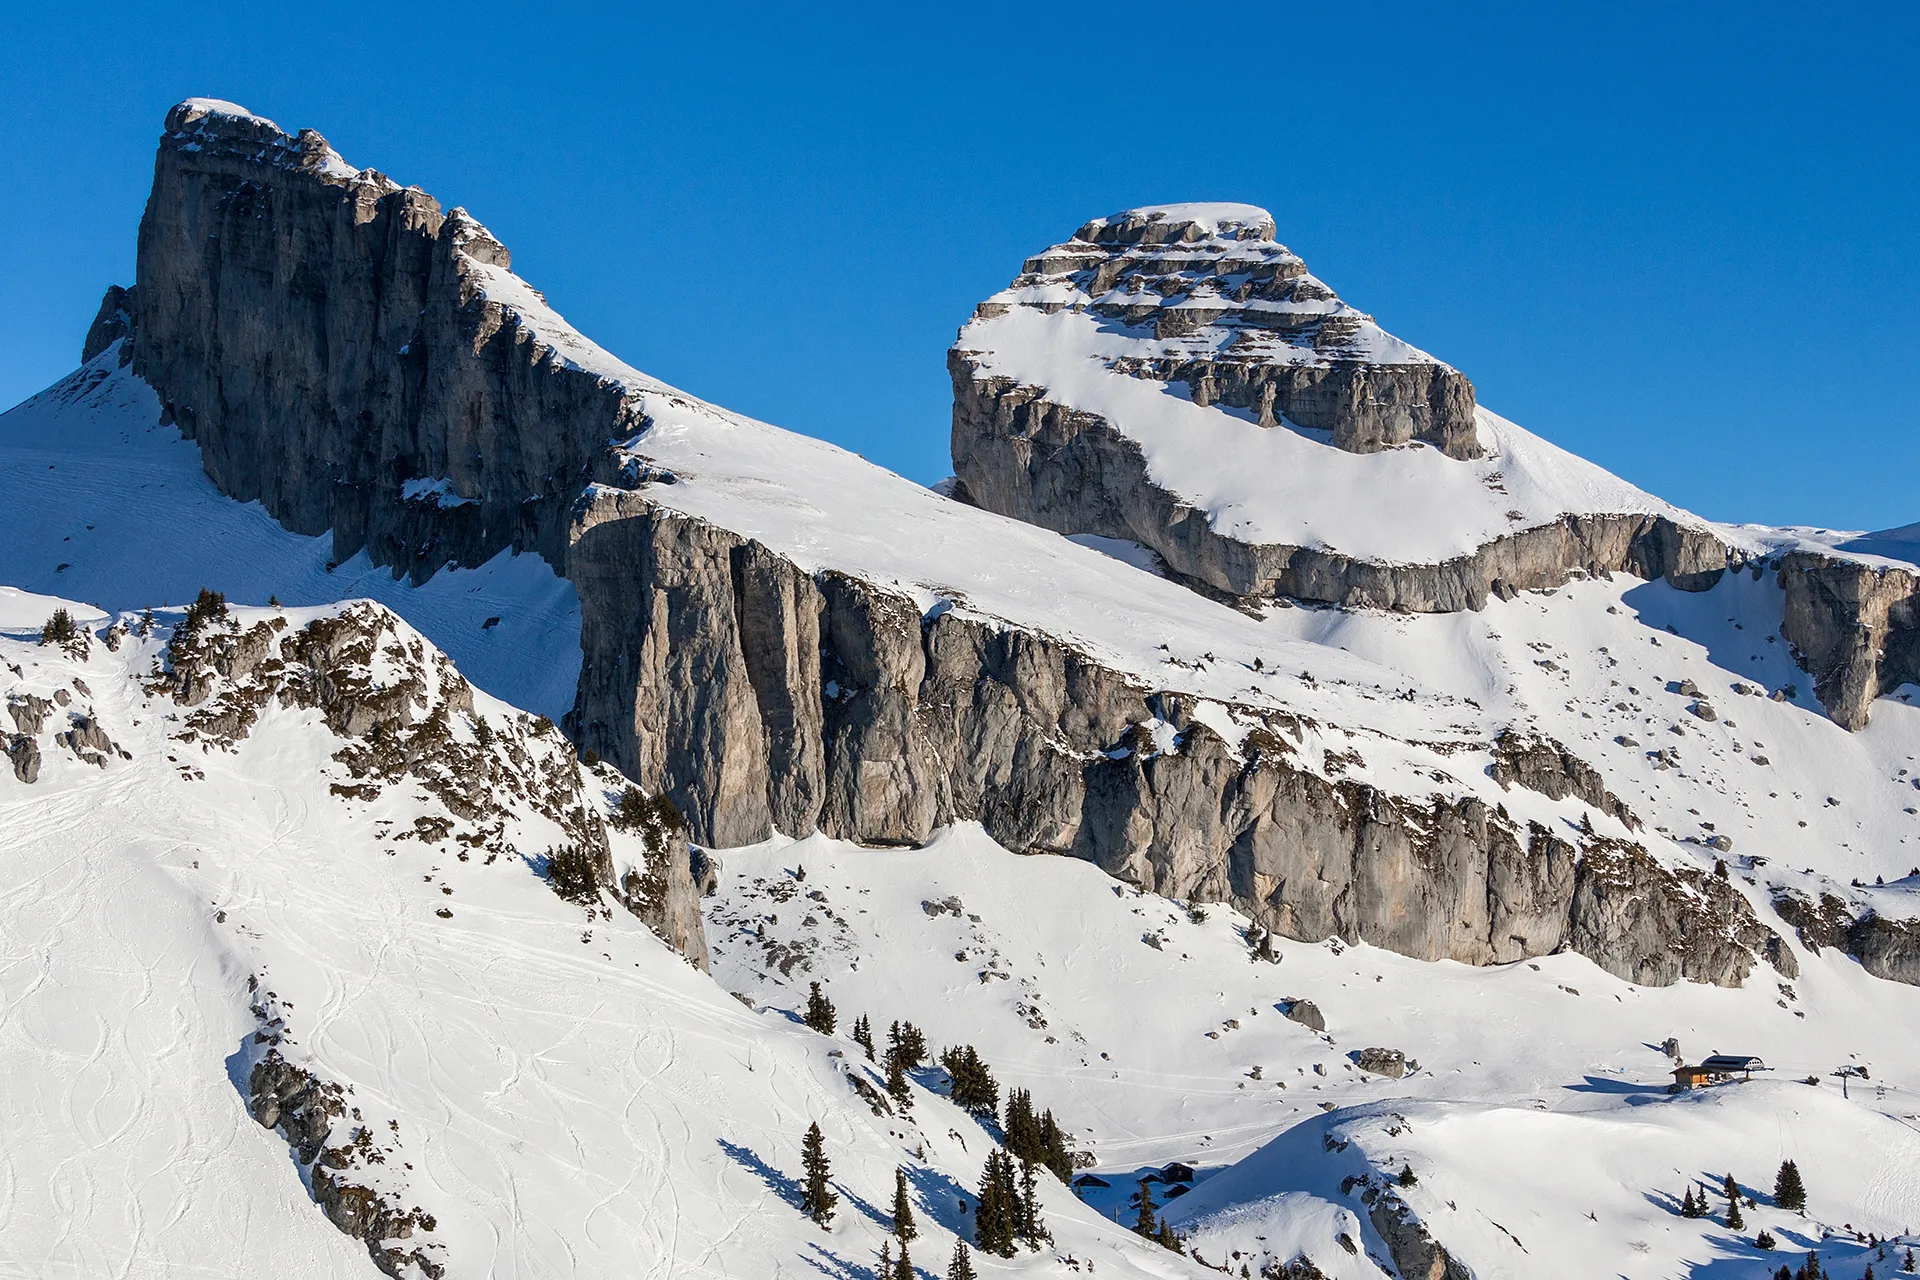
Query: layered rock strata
[(761, 696), (327, 337), (1020, 454)]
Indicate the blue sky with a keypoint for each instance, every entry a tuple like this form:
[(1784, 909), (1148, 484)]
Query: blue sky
[(1685, 245)]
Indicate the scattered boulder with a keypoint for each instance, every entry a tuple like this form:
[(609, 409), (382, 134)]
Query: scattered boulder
[(1381, 1062), (1306, 1013)]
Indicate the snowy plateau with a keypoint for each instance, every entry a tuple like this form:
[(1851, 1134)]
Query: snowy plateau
[(438, 762)]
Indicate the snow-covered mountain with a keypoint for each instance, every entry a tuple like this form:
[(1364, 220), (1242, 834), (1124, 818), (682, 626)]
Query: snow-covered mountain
[(1237, 601)]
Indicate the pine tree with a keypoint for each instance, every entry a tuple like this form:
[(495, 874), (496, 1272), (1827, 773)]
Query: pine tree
[(886, 1260), (1764, 1240), (817, 1198), (995, 1219), (1033, 1229), (820, 1016), (1053, 1139), (1023, 1127), (1868, 1273), (1167, 1238), (1735, 1219), (1788, 1191), (903, 1269), (1143, 1224), (1908, 1265), (1407, 1176), (863, 1035), (903, 1225), (961, 1268), (1812, 1270), (1686, 1205), (908, 1043), (897, 1083), (974, 1088)]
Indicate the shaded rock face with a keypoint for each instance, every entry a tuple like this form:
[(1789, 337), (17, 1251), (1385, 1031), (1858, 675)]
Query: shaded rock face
[(322, 335), (1022, 455), (762, 697), (1854, 627), (1545, 766), (1240, 322), (1885, 948)]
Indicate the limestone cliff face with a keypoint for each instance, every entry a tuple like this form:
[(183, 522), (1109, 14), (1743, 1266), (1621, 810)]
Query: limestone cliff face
[(762, 696), (1018, 453), (1855, 627), (359, 361), (324, 336)]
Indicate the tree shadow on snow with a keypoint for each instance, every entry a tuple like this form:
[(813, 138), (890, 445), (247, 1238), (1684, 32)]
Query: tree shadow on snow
[(788, 1189), (940, 1198)]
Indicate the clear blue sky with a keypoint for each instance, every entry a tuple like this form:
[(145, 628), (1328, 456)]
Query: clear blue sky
[(1684, 244)]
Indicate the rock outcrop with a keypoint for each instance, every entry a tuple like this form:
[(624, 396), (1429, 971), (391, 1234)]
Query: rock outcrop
[(1855, 627), (328, 338), (405, 715), (1885, 948), (1239, 321), (761, 696)]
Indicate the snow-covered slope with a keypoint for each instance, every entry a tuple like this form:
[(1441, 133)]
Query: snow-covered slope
[(549, 1091), (108, 506)]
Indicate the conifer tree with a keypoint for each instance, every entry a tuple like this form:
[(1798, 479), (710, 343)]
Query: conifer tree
[(1023, 1127), (1053, 1139), (863, 1035), (820, 1015), (1868, 1273), (1167, 1238), (903, 1269), (1686, 1204), (1143, 1223), (897, 1083), (886, 1260), (1908, 1265), (908, 1043), (1788, 1191), (1764, 1240), (1407, 1176), (961, 1268), (903, 1225), (1033, 1229), (974, 1088), (817, 1198), (995, 1218)]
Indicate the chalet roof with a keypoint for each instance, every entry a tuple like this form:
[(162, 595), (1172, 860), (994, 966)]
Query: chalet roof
[(1733, 1062)]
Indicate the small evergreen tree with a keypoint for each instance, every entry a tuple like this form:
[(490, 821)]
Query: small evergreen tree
[(1764, 1240), (903, 1269), (903, 1224), (974, 1088), (1908, 1265), (59, 628), (863, 1035), (1868, 1273), (886, 1260), (1033, 1228), (1811, 1271), (897, 1088), (820, 1015), (1788, 1191), (1407, 1176), (1023, 1140), (1143, 1222), (961, 1268), (1053, 1139), (1735, 1219), (907, 1043), (1686, 1205), (817, 1198), (995, 1219), (1167, 1238)]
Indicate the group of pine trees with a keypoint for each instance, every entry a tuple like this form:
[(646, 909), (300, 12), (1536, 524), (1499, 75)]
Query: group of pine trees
[(1148, 1225), (974, 1088), (1036, 1139), (1008, 1212), (1788, 1192)]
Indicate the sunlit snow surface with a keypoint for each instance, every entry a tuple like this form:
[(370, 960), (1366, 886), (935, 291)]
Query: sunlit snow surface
[(104, 504)]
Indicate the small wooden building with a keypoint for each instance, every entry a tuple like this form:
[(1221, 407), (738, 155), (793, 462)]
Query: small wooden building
[(1177, 1172), (1716, 1069)]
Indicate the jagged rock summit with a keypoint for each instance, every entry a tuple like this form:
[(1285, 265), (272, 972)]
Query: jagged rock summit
[(782, 637)]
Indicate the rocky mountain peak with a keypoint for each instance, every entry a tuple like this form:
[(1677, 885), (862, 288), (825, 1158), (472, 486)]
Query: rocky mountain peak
[(1180, 224)]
